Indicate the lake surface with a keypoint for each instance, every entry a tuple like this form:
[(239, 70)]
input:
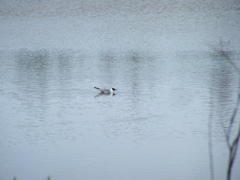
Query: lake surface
[(172, 66)]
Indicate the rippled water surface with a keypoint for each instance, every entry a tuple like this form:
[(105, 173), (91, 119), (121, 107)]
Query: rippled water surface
[(174, 66)]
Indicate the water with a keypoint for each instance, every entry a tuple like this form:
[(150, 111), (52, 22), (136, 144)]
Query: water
[(175, 91)]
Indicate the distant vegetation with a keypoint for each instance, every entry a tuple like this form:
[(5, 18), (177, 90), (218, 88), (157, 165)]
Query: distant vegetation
[(48, 178)]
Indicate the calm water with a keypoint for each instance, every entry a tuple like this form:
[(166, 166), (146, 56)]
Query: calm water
[(175, 92)]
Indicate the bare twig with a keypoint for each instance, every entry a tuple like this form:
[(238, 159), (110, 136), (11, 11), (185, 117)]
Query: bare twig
[(232, 146), (210, 144)]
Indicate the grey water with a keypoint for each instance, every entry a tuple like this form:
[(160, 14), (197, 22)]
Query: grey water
[(176, 90)]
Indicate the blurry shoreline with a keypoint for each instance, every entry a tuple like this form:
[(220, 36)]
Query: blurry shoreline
[(123, 7)]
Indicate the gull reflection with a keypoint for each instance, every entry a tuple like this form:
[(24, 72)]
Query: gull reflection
[(102, 95)]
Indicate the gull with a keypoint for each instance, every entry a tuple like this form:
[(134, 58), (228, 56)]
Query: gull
[(106, 91)]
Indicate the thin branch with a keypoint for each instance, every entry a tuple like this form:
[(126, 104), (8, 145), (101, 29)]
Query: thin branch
[(234, 146), (210, 142)]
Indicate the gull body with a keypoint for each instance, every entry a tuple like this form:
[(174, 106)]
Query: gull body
[(106, 91)]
